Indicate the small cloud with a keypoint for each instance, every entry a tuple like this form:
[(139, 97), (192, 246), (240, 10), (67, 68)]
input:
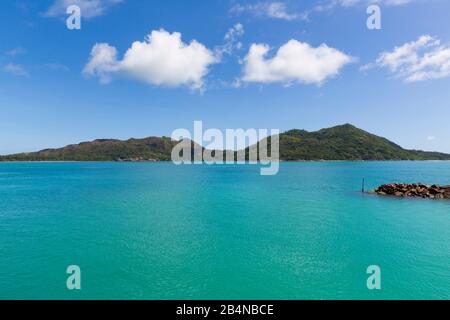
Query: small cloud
[(232, 42), (15, 52), (103, 62), (16, 70), (328, 5), (237, 83), (395, 2), (293, 62), (367, 67), (89, 8), (420, 60), (280, 10), (431, 138), (275, 10), (56, 67)]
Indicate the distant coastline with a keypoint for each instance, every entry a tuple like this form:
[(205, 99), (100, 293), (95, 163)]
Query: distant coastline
[(340, 143), (169, 161)]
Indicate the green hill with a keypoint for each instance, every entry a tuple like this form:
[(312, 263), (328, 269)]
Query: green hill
[(344, 142), (148, 149)]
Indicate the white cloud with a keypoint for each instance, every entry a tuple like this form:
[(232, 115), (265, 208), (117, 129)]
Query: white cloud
[(276, 10), (330, 4), (423, 59), (237, 83), (56, 67), (280, 10), (431, 138), (349, 3), (295, 61), (103, 62), (395, 2), (231, 39), (162, 59), (89, 8), (16, 69), (16, 51)]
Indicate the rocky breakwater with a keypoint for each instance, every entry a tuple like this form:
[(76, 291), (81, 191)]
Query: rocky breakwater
[(414, 191)]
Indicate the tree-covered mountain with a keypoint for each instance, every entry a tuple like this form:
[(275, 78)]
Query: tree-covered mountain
[(148, 149), (344, 142)]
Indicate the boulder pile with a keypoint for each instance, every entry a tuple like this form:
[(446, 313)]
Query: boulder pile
[(414, 191)]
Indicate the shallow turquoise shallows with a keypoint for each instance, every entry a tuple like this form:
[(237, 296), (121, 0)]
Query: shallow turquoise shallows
[(158, 231)]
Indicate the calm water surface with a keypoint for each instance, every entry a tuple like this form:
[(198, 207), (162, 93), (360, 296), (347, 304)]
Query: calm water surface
[(157, 231)]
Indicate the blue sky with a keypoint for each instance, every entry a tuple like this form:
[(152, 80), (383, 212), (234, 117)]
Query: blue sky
[(271, 71)]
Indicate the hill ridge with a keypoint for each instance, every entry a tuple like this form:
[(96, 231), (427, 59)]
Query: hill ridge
[(342, 142)]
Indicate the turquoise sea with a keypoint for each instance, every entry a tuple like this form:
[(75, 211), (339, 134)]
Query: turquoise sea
[(160, 231)]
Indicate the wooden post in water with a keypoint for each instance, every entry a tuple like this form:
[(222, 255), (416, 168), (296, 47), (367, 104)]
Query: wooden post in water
[(363, 185)]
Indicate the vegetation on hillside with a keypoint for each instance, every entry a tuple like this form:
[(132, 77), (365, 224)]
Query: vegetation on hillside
[(344, 142), (148, 149)]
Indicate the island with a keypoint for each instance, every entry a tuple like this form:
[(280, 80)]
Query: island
[(341, 143)]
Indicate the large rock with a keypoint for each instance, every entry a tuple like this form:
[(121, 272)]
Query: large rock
[(414, 191)]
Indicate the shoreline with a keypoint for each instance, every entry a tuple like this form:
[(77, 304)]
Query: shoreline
[(167, 161)]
